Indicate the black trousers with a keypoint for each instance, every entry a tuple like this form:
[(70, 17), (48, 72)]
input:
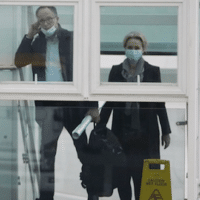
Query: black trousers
[(51, 118), (135, 155), (124, 189)]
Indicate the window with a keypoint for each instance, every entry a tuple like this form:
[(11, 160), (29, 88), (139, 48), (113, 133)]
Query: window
[(158, 24), (99, 26), (162, 26), (31, 73)]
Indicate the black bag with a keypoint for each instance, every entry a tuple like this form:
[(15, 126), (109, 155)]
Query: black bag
[(106, 158)]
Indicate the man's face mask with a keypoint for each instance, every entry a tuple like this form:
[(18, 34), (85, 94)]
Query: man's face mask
[(133, 54), (49, 32)]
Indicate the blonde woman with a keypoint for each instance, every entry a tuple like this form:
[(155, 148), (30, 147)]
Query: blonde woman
[(136, 123)]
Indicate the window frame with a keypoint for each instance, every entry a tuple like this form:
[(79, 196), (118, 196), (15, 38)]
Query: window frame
[(105, 89), (49, 90), (187, 90)]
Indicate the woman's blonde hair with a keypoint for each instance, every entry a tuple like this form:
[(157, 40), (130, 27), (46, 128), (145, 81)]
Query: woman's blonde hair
[(138, 36)]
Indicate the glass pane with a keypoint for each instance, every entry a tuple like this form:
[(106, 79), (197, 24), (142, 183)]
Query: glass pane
[(158, 25), (41, 45), (35, 139), (138, 148)]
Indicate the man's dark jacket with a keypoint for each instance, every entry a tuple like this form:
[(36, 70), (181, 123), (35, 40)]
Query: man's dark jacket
[(148, 111), (34, 52)]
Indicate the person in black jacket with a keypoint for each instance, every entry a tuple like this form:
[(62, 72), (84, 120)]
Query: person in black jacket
[(49, 49), (135, 123)]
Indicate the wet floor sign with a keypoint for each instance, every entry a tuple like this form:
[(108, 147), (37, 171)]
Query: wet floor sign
[(156, 183)]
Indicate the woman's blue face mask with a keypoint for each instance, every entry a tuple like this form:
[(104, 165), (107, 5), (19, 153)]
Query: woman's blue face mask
[(133, 54), (134, 49)]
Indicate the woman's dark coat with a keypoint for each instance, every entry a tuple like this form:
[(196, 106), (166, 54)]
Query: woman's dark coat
[(148, 113)]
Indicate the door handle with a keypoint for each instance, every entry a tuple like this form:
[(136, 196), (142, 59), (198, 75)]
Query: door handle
[(181, 123)]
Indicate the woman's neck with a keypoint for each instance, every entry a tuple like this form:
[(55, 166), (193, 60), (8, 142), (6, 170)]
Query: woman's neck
[(132, 63), (133, 66)]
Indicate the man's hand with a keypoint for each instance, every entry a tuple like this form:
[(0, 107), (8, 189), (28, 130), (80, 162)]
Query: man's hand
[(94, 113), (166, 140), (34, 29)]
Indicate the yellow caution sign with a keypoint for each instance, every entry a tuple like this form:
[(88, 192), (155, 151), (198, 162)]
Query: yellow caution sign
[(156, 183)]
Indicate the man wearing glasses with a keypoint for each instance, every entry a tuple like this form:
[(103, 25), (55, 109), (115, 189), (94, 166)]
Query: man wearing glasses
[(49, 49)]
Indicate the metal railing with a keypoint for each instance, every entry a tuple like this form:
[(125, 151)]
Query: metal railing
[(29, 143)]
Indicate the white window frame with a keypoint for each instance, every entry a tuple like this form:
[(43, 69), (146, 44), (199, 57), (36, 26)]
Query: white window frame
[(177, 91), (193, 98), (86, 86), (51, 91)]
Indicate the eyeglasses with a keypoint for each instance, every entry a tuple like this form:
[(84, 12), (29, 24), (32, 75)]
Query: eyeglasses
[(48, 20)]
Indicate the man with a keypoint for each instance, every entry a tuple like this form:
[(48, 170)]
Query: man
[(49, 48)]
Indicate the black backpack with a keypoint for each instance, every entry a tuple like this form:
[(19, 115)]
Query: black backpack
[(106, 160)]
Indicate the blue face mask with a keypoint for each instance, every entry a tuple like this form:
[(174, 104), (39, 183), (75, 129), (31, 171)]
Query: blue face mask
[(49, 32), (133, 54)]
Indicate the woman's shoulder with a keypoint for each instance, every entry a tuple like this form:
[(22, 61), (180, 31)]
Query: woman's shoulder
[(150, 66), (117, 67), (115, 73)]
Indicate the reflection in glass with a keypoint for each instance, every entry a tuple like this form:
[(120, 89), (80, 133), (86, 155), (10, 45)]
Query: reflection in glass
[(15, 139), (157, 24), (30, 137), (41, 43)]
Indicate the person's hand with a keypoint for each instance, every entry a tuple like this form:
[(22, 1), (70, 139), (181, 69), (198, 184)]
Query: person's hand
[(166, 140), (94, 113), (33, 30)]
